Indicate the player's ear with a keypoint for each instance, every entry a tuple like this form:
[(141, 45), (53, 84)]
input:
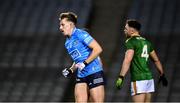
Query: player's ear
[(132, 30), (71, 24)]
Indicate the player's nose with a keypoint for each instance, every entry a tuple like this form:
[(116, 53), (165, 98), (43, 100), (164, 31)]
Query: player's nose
[(60, 27)]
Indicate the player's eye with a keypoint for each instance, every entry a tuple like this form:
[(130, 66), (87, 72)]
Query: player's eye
[(62, 24)]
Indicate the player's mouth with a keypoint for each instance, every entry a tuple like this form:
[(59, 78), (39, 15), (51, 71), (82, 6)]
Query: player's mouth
[(62, 31)]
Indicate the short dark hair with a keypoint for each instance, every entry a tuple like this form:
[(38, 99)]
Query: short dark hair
[(134, 24), (70, 16)]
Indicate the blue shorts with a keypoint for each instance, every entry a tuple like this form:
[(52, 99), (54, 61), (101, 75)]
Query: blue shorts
[(92, 80)]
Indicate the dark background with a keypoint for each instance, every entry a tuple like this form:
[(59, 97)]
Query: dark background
[(32, 53)]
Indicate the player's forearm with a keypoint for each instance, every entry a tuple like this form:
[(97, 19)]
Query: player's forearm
[(157, 62), (125, 68), (159, 67), (73, 68), (127, 62), (94, 54)]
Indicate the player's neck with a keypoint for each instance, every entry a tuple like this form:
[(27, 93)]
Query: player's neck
[(135, 34), (71, 32)]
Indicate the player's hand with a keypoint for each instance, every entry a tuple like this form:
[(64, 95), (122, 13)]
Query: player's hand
[(163, 80), (67, 72), (81, 65), (119, 82)]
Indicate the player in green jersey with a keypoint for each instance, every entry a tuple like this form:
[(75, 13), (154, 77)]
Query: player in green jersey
[(138, 51)]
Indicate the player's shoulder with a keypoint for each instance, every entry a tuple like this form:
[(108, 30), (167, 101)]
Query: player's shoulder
[(81, 33), (130, 39)]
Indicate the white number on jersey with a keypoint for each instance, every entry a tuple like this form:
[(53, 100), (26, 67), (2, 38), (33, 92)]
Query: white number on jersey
[(144, 53)]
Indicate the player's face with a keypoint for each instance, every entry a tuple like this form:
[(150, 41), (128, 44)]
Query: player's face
[(127, 30), (65, 27)]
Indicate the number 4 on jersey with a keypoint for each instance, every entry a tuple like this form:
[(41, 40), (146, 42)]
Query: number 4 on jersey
[(144, 53)]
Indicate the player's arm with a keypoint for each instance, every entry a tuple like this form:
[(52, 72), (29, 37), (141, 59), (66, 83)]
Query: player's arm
[(127, 62), (158, 64), (96, 50), (125, 67), (94, 45)]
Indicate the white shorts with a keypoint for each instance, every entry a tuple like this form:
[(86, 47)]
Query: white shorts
[(143, 86)]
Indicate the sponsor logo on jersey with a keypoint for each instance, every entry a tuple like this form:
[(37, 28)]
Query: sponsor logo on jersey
[(75, 54)]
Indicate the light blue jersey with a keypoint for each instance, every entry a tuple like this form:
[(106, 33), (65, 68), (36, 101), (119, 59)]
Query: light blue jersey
[(77, 47)]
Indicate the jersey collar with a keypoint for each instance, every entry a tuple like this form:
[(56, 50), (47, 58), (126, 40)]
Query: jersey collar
[(131, 37)]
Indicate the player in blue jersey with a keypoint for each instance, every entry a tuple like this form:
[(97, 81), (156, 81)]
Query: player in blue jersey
[(85, 51)]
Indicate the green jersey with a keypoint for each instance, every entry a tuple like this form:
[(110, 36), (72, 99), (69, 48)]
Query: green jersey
[(139, 68)]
